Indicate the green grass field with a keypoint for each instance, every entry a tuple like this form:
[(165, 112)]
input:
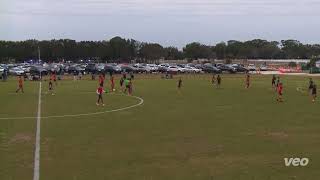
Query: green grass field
[(201, 132)]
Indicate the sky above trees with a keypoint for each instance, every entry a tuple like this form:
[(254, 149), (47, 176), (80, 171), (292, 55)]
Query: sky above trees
[(169, 22)]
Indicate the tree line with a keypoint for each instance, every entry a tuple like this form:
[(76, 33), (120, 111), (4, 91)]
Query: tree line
[(119, 49)]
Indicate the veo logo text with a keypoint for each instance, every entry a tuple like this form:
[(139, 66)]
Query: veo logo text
[(296, 162)]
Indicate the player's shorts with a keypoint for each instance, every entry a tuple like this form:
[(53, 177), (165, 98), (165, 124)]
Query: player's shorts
[(101, 84), (310, 87), (280, 93), (128, 86), (273, 83), (20, 86)]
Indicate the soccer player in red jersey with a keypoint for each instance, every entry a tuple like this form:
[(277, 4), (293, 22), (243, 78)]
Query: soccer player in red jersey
[(279, 90), (112, 84), (20, 85), (100, 91), (278, 82), (101, 80), (54, 78)]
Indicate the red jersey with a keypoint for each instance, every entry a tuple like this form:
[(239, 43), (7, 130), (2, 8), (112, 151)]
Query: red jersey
[(99, 90), (112, 80), (101, 79), (280, 88)]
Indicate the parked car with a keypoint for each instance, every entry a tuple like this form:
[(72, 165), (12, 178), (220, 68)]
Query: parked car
[(16, 71), (182, 68), (240, 68), (153, 67), (199, 66), (191, 65), (53, 67), (252, 67), (1, 70), (173, 69), (192, 70), (209, 68), (25, 68), (37, 70), (263, 68), (91, 68), (75, 69), (140, 68), (112, 68), (128, 68), (100, 68), (162, 68), (226, 68)]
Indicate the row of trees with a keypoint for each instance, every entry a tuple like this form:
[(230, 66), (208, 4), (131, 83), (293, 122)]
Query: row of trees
[(125, 50)]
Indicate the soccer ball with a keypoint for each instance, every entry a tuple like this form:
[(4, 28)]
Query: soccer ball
[(113, 90)]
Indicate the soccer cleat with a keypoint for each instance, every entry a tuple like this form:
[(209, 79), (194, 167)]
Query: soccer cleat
[(97, 104)]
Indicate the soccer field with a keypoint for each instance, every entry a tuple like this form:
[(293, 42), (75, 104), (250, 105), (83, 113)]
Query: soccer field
[(201, 132)]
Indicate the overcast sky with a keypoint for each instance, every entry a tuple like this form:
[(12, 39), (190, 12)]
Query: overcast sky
[(169, 22)]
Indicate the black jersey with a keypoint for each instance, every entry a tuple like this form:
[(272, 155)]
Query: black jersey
[(314, 90), (310, 84), (219, 79), (179, 83)]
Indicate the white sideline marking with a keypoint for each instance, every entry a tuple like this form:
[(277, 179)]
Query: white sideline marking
[(141, 101), (36, 172)]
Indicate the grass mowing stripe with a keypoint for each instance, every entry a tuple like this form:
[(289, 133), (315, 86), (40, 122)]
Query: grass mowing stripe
[(36, 173)]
